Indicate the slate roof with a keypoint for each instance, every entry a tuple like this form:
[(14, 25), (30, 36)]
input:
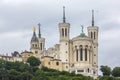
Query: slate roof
[(34, 38)]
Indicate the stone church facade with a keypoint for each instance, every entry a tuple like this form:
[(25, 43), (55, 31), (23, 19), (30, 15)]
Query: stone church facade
[(79, 54)]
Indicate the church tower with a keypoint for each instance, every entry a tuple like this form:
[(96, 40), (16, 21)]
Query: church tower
[(34, 47), (64, 29), (37, 43), (93, 34), (41, 40), (93, 30)]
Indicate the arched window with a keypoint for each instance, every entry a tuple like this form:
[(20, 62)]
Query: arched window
[(94, 35), (32, 45), (36, 52), (35, 45), (75, 47), (40, 46), (77, 55), (85, 54), (88, 70), (90, 57), (81, 54), (93, 72), (62, 32), (57, 63), (91, 35), (48, 63), (66, 32)]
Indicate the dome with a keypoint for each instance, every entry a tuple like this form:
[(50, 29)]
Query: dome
[(81, 36), (34, 38)]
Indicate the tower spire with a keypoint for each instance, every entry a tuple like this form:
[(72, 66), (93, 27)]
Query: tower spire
[(34, 29), (64, 14), (39, 31), (92, 17)]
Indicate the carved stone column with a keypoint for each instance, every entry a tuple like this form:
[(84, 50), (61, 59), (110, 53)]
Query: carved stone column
[(83, 49)]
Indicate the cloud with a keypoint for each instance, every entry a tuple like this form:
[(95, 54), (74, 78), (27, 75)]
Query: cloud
[(109, 47)]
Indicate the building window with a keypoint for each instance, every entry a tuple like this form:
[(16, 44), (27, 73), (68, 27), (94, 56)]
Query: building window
[(33, 45), (80, 70), (36, 52), (85, 54), (72, 65), (91, 35), (62, 32), (90, 47), (81, 54), (40, 46), (57, 63), (75, 47), (66, 43), (94, 35), (76, 55), (88, 70), (36, 45), (66, 66), (66, 32), (49, 63)]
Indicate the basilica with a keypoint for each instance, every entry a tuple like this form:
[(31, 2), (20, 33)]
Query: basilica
[(78, 55)]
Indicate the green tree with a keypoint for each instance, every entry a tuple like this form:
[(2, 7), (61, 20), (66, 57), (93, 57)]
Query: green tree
[(39, 72), (14, 75), (105, 70), (26, 76), (43, 77), (107, 78), (18, 66), (116, 72), (33, 61)]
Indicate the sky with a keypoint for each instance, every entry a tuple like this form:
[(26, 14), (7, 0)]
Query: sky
[(18, 17)]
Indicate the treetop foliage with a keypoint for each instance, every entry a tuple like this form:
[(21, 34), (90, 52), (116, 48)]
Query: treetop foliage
[(105, 70), (22, 71), (33, 61)]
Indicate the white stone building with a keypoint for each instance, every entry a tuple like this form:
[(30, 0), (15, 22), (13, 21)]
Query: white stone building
[(15, 56), (79, 54)]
